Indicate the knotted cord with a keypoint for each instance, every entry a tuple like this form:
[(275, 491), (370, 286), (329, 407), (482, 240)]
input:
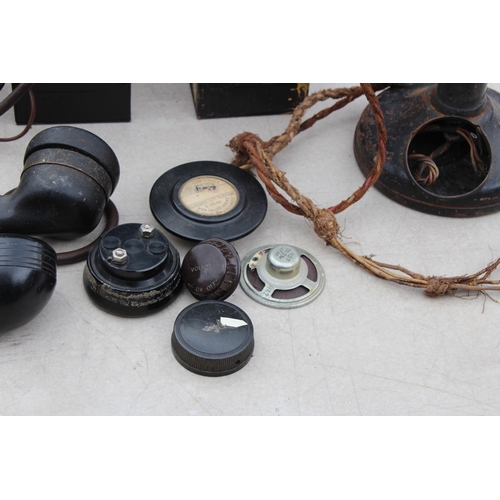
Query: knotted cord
[(252, 152)]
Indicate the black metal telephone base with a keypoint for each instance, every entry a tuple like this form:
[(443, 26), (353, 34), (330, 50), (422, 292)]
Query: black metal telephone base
[(443, 147)]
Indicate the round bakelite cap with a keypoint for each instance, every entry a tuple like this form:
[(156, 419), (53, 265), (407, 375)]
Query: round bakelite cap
[(211, 270), (213, 338)]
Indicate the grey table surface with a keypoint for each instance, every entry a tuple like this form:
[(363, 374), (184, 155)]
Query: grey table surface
[(363, 347)]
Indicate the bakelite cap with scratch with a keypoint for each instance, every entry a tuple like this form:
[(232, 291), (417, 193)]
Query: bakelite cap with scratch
[(213, 338)]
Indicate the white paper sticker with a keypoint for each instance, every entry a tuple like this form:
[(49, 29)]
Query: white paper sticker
[(232, 322)]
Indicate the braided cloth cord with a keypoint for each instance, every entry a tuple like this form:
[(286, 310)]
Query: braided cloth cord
[(250, 151)]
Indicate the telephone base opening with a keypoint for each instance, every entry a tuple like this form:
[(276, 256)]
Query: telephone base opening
[(441, 159)]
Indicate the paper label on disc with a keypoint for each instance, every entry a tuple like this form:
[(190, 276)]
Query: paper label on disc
[(208, 195)]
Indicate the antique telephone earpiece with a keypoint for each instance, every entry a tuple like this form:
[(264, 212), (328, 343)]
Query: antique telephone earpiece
[(27, 279), (68, 177)]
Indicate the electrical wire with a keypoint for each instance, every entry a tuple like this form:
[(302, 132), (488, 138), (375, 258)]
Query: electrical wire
[(427, 171), (31, 120), (14, 97)]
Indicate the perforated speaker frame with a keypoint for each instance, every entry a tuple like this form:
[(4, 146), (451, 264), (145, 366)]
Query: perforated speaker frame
[(282, 276)]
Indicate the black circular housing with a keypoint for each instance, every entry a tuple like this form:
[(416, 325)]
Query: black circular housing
[(28, 269), (208, 199), (146, 279), (211, 270), (78, 140), (213, 338)]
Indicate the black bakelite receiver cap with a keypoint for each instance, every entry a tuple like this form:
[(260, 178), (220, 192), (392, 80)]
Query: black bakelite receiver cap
[(78, 140), (213, 338), (133, 271), (28, 275), (211, 269)]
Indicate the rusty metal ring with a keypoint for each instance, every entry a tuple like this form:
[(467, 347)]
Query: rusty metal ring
[(80, 254)]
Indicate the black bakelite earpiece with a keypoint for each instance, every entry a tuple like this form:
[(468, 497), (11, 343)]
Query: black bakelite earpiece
[(69, 175), (27, 278)]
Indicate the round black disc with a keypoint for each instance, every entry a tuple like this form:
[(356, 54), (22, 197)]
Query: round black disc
[(213, 338), (208, 199)]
